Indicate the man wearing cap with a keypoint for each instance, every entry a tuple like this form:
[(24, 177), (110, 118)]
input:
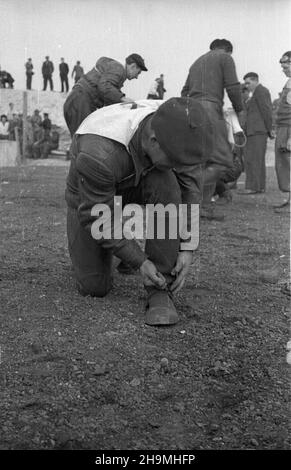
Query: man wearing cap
[(100, 87), (64, 71), (283, 135), (258, 127), (208, 76), (29, 72), (47, 72), (149, 155)]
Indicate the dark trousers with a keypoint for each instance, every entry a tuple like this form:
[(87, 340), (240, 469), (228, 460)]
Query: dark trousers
[(93, 264), (282, 159), (77, 107), (48, 79), (64, 81), (221, 157), (255, 166), (28, 81)]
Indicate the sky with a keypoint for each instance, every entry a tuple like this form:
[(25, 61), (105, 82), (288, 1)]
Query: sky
[(169, 34)]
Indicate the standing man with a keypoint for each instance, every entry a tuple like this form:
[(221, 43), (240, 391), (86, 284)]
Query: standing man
[(153, 91), (283, 134), (161, 89), (64, 71), (29, 72), (78, 71), (47, 72), (154, 157), (258, 128), (100, 87), (209, 75)]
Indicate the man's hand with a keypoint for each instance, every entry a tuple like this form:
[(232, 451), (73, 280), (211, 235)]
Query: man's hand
[(151, 276), (125, 100), (181, 270)]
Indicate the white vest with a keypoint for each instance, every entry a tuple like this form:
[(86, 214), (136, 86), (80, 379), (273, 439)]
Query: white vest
[(118, 121)]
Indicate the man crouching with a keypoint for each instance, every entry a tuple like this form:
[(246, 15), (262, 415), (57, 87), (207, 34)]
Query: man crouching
[(153, 154)]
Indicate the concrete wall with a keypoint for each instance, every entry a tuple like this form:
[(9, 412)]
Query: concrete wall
[(8, 153), (50, 102)]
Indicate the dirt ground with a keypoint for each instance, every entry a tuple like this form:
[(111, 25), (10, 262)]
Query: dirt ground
[(87, 373)]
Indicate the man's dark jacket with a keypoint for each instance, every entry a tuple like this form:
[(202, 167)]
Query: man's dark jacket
[(259, 112), (97, 88), (47, 68), (64, 69), (100, 167)]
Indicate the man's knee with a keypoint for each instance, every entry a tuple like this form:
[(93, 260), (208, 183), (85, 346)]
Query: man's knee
[(94, 287)]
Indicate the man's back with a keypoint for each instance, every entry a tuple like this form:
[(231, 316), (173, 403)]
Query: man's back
[(79, 71), (209, 75)]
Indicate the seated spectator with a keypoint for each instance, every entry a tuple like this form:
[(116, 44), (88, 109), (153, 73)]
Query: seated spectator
[(36, 122), (6, 79), (4, 128), (43, 147), (46, 124), (51, 144)]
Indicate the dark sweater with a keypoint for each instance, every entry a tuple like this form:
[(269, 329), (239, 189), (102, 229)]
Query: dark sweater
[(210, 75)]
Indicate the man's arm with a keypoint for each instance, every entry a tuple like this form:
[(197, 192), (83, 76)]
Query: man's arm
[(264, 103), (231, 83), (97, 187), (110, 83)]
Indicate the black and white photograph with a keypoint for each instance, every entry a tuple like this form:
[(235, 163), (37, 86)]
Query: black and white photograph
[(145, 229)]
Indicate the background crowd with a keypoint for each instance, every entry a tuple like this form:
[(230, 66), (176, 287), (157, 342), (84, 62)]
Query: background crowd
[(41, 135), (257, 121)]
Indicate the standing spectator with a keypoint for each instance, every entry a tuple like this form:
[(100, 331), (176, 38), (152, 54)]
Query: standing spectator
[(47, 71), (29, 72), (100, 87), (208, 77), (10, 112), (153, 91), (258, 127), (14, 125), (64, 71), (4, 128), (161, 89), (283, 134), (78, 71)]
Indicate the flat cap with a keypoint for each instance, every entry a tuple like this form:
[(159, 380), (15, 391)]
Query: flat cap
[(184, 131), (136, 58)]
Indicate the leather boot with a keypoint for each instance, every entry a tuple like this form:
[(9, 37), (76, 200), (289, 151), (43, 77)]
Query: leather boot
[(160, 309)]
